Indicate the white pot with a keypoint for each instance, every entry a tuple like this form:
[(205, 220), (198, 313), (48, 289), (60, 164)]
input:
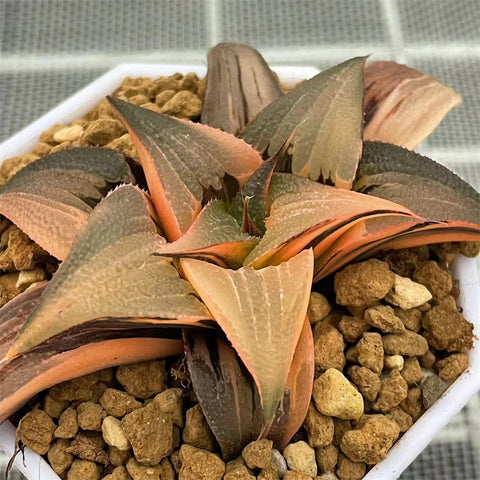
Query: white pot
[(465, 271)]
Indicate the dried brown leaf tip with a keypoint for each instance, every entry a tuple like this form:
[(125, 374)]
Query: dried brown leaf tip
[(245, 236)]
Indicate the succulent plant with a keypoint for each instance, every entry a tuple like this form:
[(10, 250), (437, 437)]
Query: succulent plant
[(224, 246)]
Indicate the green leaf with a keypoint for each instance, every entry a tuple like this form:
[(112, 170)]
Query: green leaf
[(51, 199), (239, 85), (111, 273), (402, 105), (215, 236), (318, 125), (184, 162), (262, 313)]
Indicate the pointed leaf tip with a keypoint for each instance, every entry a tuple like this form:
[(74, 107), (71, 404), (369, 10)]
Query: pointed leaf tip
[(262, 313)]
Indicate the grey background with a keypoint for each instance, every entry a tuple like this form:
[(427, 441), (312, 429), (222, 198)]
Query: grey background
[(51, 48)]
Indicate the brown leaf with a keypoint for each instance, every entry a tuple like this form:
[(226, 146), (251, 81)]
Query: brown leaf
[(51, 199), (239, 85), (183, 161), (403, 106), (318, 125)]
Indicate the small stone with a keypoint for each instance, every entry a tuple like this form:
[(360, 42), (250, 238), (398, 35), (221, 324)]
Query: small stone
[(335, 396), (447, 330), (327, 476), (319, 428), (58, 458), (87, 448), (171, 402), (117, 403), (328, 346), (368, 382), (428, 359), (279, 462), (118, 473), (67, 424), (408, 344), (352, 328), (13, 165), (438, 281), (348, 470), (84, 470), (47, 135), (8, 289), (451, 367), (383, 317), (370, 351), (176, 461), (351, 354), (125, 145), (153, 107), (113, 433), (411, 318), (200, 464), (138, 99), (258, 454), (364, 283), (327, 458), (54, 408), (163, 97), (401, 418), (394, 390), (432, 389), (68, 134), (90, 416), (197, 432), (61, 146), (372, 441), (318, 307), (80, 388), (143, 472), (469, 249), (190, 82), (183, 104), (412, 371), (295, 475), (143, 380), (268, 473), (35, 430), (164, 83), (413, 404), (393, 361), (237, 471), (402, 262), (102, 131), (28, 277), (168, 473), (407, 294), (340, 428), (301, 457), (22, 249), (118, 457), (150, 432)]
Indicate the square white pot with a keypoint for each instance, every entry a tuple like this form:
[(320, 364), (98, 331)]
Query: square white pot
[(465, 271)]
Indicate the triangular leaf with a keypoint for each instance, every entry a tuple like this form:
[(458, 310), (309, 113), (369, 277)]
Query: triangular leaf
[(215, 236), (262, 313), (73, 353), (402, 105), (318, 124), (110, 272), (51, 199), (239, 85), (183, 161)]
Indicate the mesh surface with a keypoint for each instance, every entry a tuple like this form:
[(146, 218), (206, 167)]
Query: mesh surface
[(51, 48)]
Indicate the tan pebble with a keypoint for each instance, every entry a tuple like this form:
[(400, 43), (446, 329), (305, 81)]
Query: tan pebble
[(413, 404), (408, 344), (8, 287), (118, 457), (41, 149), (84, 470), (469, 249), (125, 145), (363, 283), (348, 470), (143, 380), (102, 131), (47, 135), (326, 458), (371, 351), (432, 387), (61, 146), (197, 432), (98, 391), (90, 416), (22, 249), (407, 294), (319, 428), (138, 99), (118, 473), (383, 317), (190, 82), (411, 318), (67, 424), (451, 367), (168, 473), (401, 418), (403, 262), (57, 456), (412, 371), (183, 104), (150, 432), (163, 97), (35, 430), (393, 361), (268, 473), (372, 441), (394, 390), (447, 330), (54, 408), (102, 110), (200, 464), (27, 277), (438, 281), (318, 307), (258, 454), (118, 403), (153, 107), (201, 88), (327, 476), (68, 134), (352, 328), (113, 433), (295, 475), (13, 165), (368, 382), (301, 457), (428, 359), (328, 346), (176, 461), (143, 472), (340, 428), (170, 401), (164, 83), (351, 354), (335, 396), (87, 447)]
